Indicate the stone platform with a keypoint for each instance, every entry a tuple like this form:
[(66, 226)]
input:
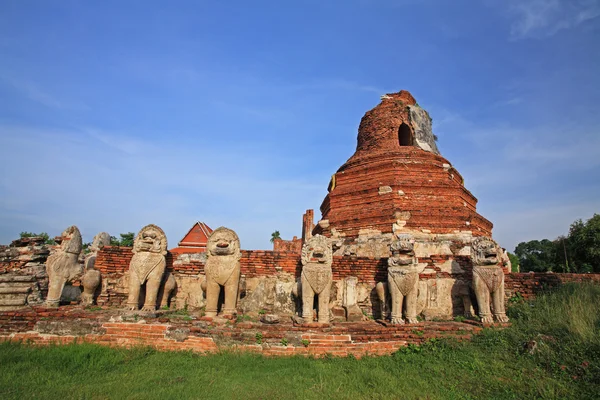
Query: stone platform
[(167, 330)]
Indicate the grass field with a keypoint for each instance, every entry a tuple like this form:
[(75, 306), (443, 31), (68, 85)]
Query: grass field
[(565, 325)]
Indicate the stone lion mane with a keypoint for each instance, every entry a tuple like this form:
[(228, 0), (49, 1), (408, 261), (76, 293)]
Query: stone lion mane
[(307, 250)]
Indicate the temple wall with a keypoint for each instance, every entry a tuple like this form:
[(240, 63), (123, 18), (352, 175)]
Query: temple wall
[(268, 280), (267, 275), (69, 325)]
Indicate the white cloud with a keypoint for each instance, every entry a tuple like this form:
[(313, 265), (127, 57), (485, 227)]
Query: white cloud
[(111, 182), (537, 222), (35, 93), (531, 183), (543, 18)]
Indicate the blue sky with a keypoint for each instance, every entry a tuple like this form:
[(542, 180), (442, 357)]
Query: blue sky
[(116, 114)]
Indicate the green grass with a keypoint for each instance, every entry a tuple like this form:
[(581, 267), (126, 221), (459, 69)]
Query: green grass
[(565, 324)]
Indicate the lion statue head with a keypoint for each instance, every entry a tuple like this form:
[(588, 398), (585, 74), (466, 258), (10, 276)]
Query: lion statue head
[(223, 242), (485, 251), (150, 239), (317, 250), (402, 250), (70, 240)]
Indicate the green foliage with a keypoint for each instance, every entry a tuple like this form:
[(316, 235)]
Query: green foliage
[(566, 327), (565, 324), (305, 342), (275, 235), (125, 241), (86, 247), (44, 235), (577, 252), (259, 338), (284, 342), (584, 244), (516, 298), (537, 255), (243, 318), (514, 262)]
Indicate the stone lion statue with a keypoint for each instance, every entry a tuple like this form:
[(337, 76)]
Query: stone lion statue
[(63, 265), (91, 278), (403, 279), (222, 269), (147, 266), (317, 257), (488, 279)]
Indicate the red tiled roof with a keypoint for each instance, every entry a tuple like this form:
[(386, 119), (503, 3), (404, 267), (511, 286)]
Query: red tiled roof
[(195, 240)]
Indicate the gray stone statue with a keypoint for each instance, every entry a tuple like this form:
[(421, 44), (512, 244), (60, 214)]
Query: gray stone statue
[(403, 280), (91, 278), (488, 279), (63, 266), (317, 257), (222, 269), (147, 266)]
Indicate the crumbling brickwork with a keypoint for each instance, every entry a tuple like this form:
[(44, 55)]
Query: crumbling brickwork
[(293, 246), (395, 178), (23, 278), (72, 325)]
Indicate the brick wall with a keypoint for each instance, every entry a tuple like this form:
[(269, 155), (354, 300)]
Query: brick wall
[(267, 263), (529, 284), (71, 325), (294, 245), (112, 262)]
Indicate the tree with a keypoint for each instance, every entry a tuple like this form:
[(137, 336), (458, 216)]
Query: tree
[(44, 235), (514, 262), (537, 256), (584, 244), (126, 240), (578, 252), (275, 235)]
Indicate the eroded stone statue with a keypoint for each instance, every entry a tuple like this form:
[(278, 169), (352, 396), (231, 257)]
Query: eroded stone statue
[(403, 280), (317, 257), (488, 279), (167, 288), (63, 265), (147, 266), (222, 269), (92, 277)]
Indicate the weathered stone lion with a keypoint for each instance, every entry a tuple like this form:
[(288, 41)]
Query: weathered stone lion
[(147, 266), (222, 269), (403, 279), (488, 279), (63, 266), (317, 257), (91, 278)]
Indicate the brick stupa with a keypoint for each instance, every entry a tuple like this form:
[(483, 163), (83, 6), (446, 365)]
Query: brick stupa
[(397, 181)]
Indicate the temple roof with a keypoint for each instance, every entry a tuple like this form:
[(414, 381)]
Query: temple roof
[(196, 238)]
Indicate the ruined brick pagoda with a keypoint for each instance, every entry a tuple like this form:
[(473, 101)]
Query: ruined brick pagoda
[(401, 242), (397, 181)]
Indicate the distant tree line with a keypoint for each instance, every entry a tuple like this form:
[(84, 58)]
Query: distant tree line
[(577, 252), (43, 235), (126, 239)]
